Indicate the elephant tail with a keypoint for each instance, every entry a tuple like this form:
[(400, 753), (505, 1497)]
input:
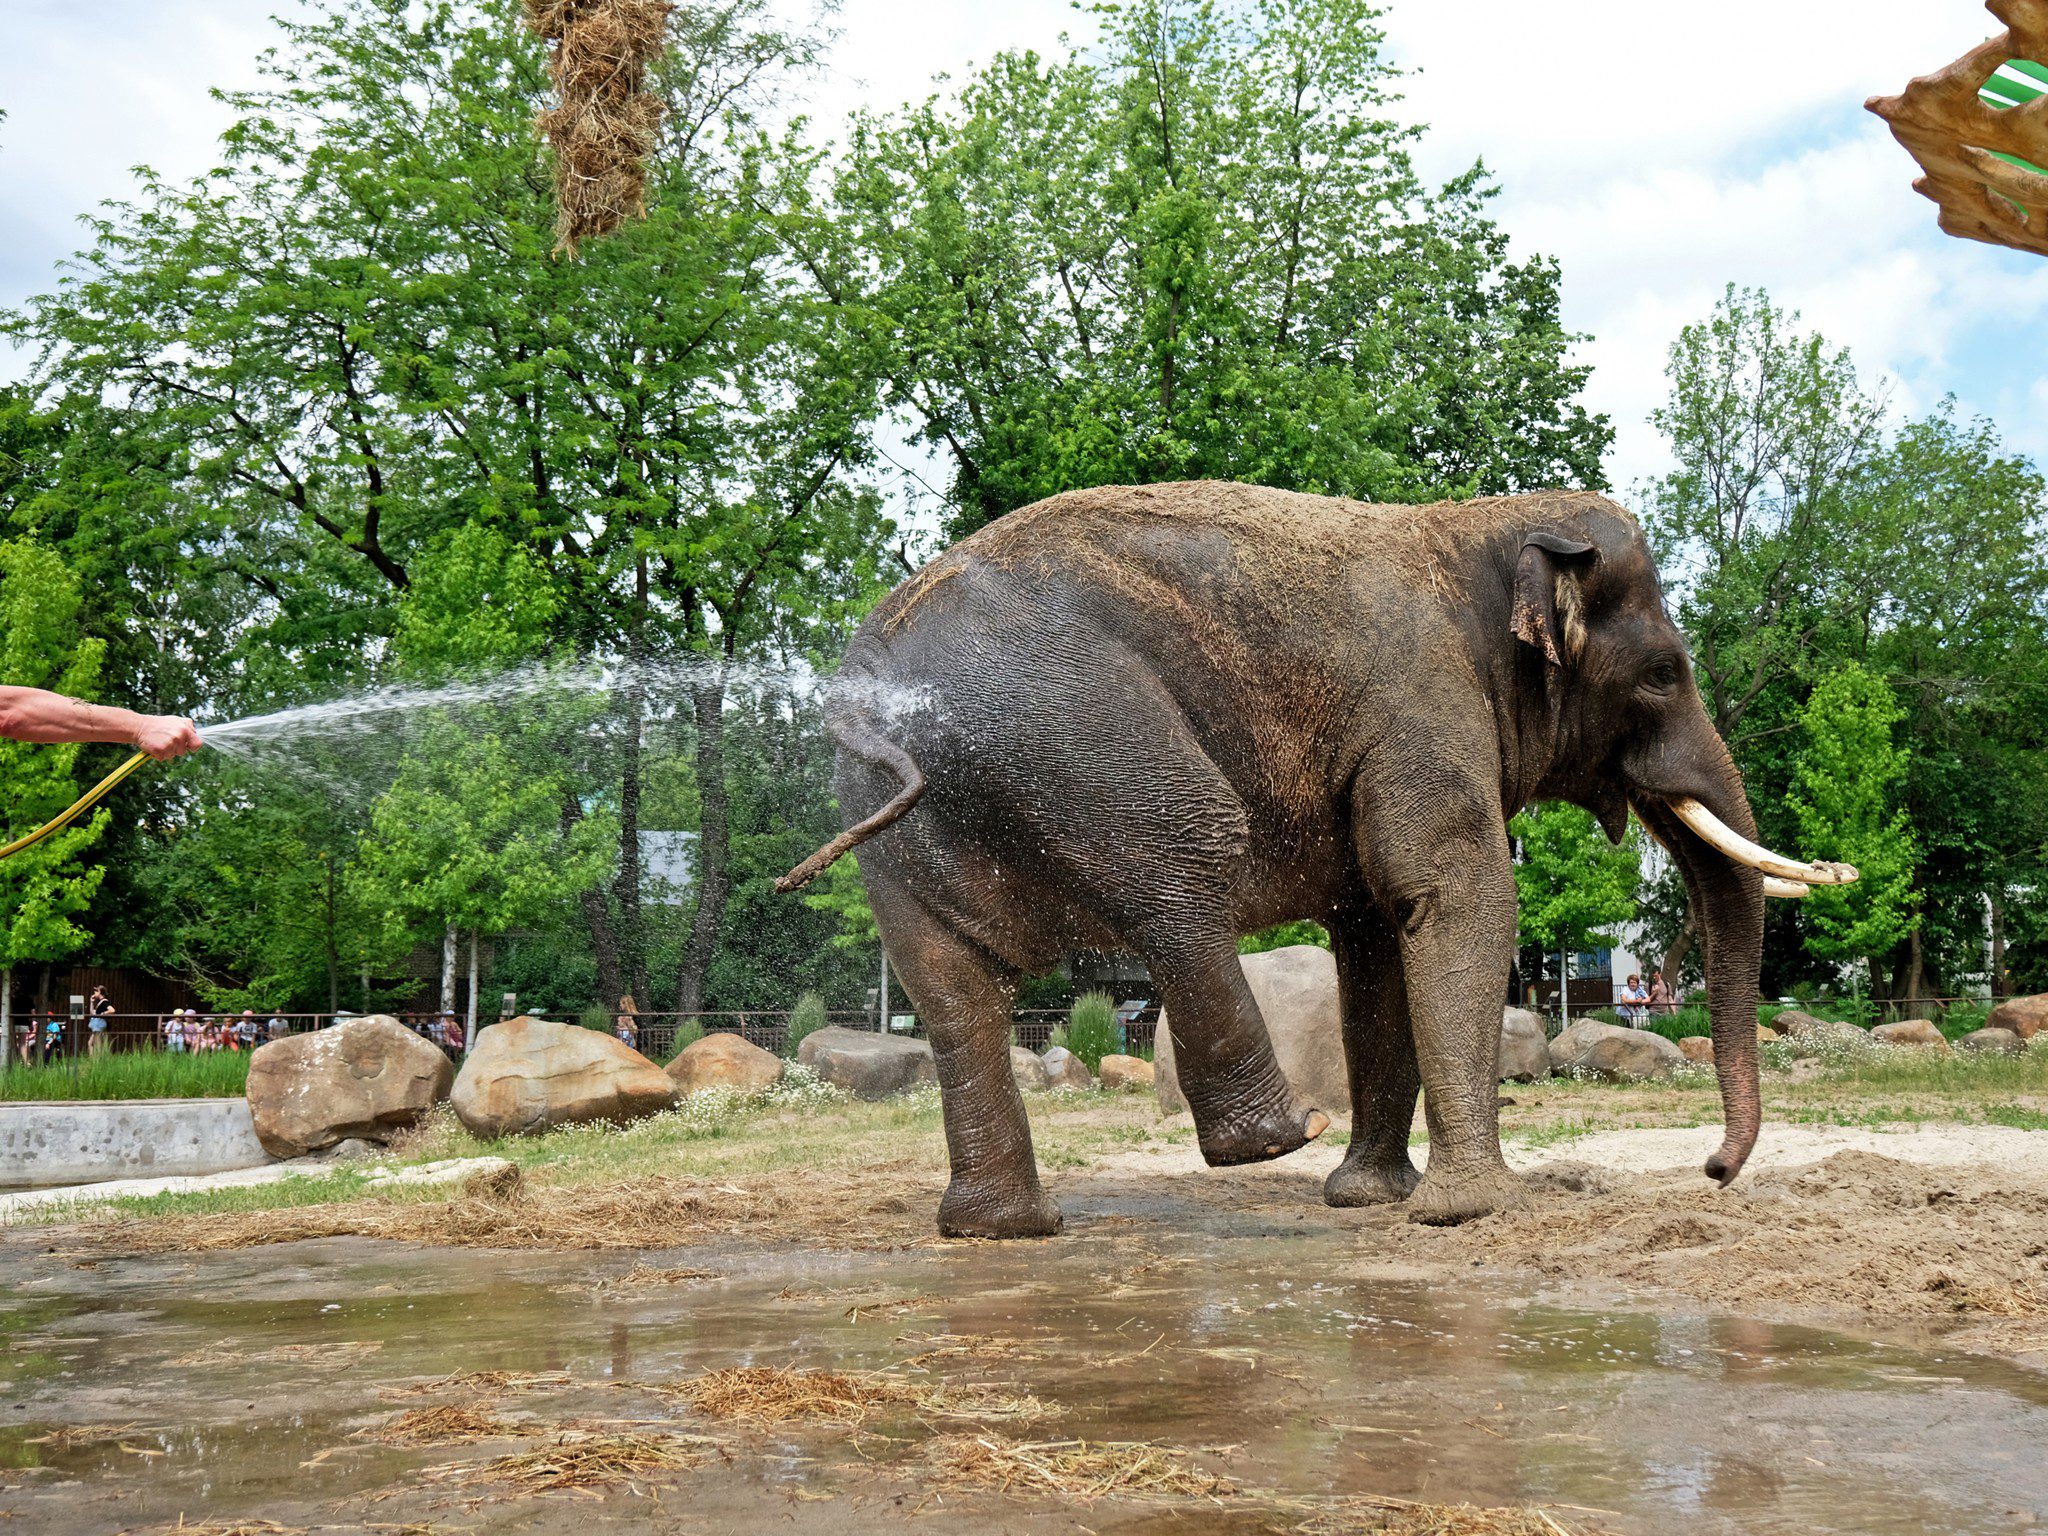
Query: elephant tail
[(857, 739)]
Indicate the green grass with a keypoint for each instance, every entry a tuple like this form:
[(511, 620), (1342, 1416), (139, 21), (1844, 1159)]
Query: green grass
[(1091, 1028), (150, 1074)]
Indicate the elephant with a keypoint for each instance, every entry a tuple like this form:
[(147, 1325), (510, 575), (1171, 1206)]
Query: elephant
[(1151, 719)]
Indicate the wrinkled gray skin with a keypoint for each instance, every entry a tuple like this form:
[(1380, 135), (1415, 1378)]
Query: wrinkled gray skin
[(1153, 719)]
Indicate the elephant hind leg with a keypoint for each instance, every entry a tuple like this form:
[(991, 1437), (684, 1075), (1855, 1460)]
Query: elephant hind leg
[(963, 994), (1245, 1109)]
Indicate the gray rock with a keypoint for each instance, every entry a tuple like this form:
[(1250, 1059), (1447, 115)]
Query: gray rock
[(1524, 1052), (369, 1079), (1296, 990), (1994, 1042), (1819, 1037), (1063, 1069), (1128, 1072), (1911, 1032), (866, 1064), (724, 1060), (1613, 1053), (531, 1075), (2024, 1016), (1028, 1070)]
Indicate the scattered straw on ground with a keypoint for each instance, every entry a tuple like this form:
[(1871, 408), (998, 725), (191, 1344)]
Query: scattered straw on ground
[(761, 1394), (227, 1528), (339, 1353), (642, 1276), (443, 1424), (480, 1381), (578, 1460), (1080, 1469), (66, 1436), (1367, 1515), (852, 1209)]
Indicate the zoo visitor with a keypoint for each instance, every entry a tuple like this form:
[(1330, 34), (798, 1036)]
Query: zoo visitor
[(32, 715)]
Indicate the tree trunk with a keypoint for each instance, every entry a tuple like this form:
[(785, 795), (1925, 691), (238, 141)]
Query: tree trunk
[(632, 937), (1914, 988), (469, 1025), (597, 917), (1877, 987), (6, 1007), (333, 953), (1681, 946), (2000, 984), (448, 969), (713, 876)]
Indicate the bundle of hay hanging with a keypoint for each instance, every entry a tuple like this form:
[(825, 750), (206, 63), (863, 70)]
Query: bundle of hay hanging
[(603, 127)]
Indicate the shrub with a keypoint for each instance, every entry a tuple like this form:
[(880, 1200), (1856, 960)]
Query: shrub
[(1091, 1028), (144, 1074), (1605, 1016), (806, 1018)]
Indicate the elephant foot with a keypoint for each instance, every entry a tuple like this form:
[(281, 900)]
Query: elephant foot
[(1359, 1182), (1261, 1138), (983, 1210), (1447, 1196)]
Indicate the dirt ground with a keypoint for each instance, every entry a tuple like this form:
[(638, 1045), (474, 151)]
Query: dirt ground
[(740, 1319)]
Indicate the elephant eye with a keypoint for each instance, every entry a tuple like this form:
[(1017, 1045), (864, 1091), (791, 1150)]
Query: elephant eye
[(1661, 674)]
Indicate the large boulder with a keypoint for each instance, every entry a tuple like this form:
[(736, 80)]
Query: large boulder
[(1820, 1037), (867, 1064), (2024, 1016), (1992, 1042), (724, 1060), (529, 1075), (1296, 990), (1128, 1072), (1698, 1049), (364, 1080), (1524, 1052), (1911, 1032), (1593, 1049), (1028, 1070), (1063, 1069)]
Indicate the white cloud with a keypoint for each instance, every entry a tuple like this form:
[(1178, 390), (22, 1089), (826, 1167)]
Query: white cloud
[(1660, 157), (1657, 152)]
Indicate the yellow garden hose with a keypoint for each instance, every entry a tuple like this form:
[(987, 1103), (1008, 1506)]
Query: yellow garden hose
[(85, 803)]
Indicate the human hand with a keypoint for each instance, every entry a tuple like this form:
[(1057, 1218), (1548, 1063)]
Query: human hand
[(167, 736)]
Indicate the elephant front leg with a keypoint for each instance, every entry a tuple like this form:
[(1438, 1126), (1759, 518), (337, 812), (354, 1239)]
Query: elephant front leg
[(1448, 883), (1379, 1056)]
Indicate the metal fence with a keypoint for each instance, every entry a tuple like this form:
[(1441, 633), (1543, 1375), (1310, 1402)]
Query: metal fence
[(45, 1039)]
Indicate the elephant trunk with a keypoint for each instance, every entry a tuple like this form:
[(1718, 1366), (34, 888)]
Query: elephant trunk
[(1708, 828)]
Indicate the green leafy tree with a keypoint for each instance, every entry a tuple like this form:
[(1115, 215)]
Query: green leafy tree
[(487, 827), (1571, 884), (43, 889), (1198, 250), (1845, 796)]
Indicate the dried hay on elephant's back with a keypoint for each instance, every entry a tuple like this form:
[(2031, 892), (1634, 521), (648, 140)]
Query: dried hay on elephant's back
[(603, 127)]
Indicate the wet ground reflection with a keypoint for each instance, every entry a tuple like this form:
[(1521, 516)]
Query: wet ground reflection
[(235, 1384)]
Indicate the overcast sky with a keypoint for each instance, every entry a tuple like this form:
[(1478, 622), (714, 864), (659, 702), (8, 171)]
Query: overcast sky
[(1659, 152)]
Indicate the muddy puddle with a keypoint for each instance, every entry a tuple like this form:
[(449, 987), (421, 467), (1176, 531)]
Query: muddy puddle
[(251, 1385)]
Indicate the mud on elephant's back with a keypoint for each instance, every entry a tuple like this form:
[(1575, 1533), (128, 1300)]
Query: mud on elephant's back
[(1296, 990)]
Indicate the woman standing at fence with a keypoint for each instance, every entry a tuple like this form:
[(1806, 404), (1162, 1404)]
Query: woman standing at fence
[(99, 1012)]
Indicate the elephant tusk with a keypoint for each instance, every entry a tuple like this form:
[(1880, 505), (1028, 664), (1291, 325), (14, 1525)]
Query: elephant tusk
[(1719, 834), (1790, 890)]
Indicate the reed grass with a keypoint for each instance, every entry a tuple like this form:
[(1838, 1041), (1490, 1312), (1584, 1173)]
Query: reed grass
[(145, 1074)]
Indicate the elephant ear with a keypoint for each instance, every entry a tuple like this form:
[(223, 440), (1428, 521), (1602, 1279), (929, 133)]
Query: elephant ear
[(1544, 588)]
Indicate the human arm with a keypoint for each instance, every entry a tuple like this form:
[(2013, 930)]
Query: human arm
[(33, 715)]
